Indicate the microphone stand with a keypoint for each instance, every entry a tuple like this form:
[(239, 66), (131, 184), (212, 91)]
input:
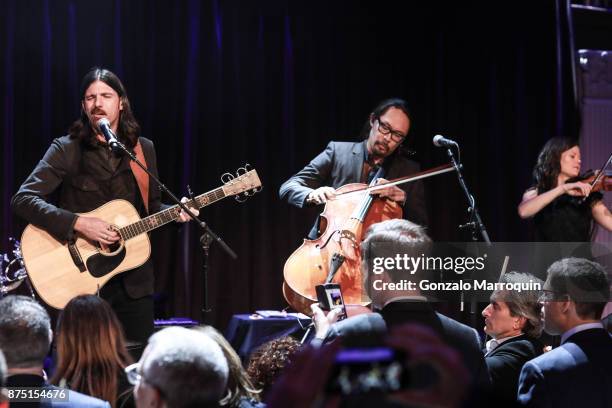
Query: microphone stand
[(208, 235), (475, 224)]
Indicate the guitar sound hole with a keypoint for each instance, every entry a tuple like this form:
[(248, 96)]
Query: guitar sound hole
[(109, 249)]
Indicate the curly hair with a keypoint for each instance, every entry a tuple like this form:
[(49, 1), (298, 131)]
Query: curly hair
[(128, 129), (548, 166), (268, 361)]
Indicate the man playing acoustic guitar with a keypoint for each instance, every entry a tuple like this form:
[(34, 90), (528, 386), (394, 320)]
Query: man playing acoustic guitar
[(79, 173)]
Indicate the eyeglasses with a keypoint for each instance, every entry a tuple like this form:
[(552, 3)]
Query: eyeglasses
[(132, 373), (386, 129)]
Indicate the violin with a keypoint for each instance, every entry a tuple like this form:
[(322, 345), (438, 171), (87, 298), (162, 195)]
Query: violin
[(599, 181)]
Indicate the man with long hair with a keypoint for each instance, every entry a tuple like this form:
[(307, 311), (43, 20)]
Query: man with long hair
[(342, 163), (79, 173)]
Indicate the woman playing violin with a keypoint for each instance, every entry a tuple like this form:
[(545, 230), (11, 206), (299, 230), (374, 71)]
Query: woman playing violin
[(557, 203)]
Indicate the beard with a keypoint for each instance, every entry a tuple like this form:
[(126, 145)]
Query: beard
[(380, 149)]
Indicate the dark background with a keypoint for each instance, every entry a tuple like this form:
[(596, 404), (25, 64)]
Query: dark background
[(217, 84)]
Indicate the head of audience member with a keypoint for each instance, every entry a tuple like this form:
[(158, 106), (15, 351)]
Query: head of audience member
[(91, 350), (512, 312), (575, 292), (3, 374), (437, 376), (239, 385), (383, 243), (104, 96), (25, 334), (386, 127), (179, 368), (269, 360)]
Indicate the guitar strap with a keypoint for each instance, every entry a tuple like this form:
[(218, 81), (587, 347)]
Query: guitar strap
[(142, 178)]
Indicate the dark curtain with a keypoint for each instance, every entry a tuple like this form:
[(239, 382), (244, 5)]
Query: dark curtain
[(217, 84)]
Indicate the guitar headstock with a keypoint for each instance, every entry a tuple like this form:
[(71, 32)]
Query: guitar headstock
[(242, 185)]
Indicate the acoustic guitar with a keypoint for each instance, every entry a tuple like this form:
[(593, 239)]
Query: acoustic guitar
[(60, 271)]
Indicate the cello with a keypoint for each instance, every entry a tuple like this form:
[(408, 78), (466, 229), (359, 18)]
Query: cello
[(334, 256)]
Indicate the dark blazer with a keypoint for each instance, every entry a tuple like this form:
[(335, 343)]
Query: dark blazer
[(75, 399), (462, 338), (506, 361), (341, 163), (73, 177), (576, 374)]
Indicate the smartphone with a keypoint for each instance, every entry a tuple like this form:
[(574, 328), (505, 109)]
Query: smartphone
[(330, 298), (367, 370)]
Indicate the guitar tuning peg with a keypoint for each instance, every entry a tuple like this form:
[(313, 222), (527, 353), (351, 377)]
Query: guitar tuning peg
[(241, 171), (240, 198), (247, 167), (227, 177)]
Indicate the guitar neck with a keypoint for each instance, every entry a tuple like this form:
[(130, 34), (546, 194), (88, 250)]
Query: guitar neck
[(168, 215)]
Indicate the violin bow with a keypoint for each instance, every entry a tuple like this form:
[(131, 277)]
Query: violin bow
[(413, 177), (599, 175), (601, 171)]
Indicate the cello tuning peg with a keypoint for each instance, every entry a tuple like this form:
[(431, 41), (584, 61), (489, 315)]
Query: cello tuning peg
[(227, 177)]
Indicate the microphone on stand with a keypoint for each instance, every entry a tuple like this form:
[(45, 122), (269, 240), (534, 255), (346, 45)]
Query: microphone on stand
[(441, 141), (109, 135)]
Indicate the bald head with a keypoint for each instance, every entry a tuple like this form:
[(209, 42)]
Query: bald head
[(183, 368)]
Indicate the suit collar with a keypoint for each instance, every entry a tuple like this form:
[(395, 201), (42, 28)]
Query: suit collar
[(587, 335), (510, 340), (579, 328)]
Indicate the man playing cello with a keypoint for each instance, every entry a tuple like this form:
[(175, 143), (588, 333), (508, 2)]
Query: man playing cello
[(345, 162)]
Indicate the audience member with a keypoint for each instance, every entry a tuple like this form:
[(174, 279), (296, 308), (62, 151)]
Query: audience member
[(306, 382), (25, 338), (388, 239), (3, 396), (179, 368), (91, 351), (513, 319), (269, 360), (577, 373), (240, 392)]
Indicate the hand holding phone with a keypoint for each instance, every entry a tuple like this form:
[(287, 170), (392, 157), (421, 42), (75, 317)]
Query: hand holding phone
[(330, 298)]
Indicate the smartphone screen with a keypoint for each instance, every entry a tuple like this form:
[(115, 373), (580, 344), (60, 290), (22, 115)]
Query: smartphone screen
[(367, 370), (335, 301)]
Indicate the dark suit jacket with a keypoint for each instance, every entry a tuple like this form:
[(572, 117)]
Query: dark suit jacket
[(341, 163), (75, 399), (506, 361), (462, 338), (73, 177), (576, 374)]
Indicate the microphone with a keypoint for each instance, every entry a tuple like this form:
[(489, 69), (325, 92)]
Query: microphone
[(441, 141), (109, 135)]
